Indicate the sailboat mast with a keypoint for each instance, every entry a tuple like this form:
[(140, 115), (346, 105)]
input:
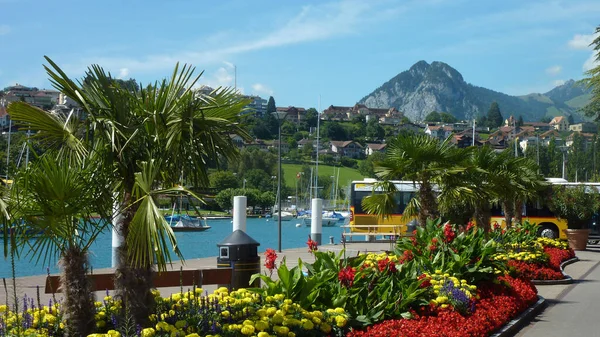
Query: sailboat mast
[(317, 161)]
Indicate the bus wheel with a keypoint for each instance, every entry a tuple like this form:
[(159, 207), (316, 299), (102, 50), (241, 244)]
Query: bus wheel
[(548, 231)]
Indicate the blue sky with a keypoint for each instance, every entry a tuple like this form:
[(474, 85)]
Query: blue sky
[(297, 51)]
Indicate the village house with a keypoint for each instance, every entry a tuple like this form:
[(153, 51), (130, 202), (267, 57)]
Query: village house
[(294, 114), (547, 136), (538, 126), (372, 148), (347, 148), (586, 127), (588, 139), (560, 123)]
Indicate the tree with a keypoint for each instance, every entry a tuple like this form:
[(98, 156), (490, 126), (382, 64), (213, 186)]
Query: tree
[(592, 109), (374, 130), (520, 121), (424, 160), (222, 180), (367, 167), (334, 131), (311, 117), (433, 116), (225, 199), (271, 107), (58, 198), (447, 118), (494, 116), (571, 119), (143, 139), (258, 179)]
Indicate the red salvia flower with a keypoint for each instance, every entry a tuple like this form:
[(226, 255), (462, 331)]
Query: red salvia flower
[(449, 233)]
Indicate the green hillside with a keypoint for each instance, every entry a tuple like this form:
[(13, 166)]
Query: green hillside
[(346, 174), (579, 101)]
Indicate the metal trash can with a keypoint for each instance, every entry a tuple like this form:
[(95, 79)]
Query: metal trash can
[(239, 252)]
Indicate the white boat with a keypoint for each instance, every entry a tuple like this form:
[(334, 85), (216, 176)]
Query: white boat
[(328, 219), (285, 216)]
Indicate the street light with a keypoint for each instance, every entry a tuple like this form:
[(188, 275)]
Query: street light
[(280, 116)]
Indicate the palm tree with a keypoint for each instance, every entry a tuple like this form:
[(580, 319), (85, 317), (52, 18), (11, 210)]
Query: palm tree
[(143, 139), (525, 186), (57, 198), (426, 161)]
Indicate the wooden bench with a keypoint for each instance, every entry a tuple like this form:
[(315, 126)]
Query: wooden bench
[(175, 278)]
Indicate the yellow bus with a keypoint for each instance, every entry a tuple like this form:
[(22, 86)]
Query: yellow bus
[(393, 224), (534, 212)]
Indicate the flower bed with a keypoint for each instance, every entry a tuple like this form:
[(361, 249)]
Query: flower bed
[(498, 303), (445, 280)]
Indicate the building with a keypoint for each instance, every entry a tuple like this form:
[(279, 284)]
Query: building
[(538, 126), (4, 117), (547, 136), (347, 113), (43, 99), (347, 148), (586, 127), (372, 148), (258, 106), (560, 123), (294, 114)]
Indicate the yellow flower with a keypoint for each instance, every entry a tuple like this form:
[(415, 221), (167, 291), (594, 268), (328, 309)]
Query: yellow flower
[(340, 310), (340, 321), (247, 330), (113, 333), (263, 334), (148, 332), (308, 325)]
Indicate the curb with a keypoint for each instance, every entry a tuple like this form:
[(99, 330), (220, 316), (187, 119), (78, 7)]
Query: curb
[(566, 280), (511, 328)]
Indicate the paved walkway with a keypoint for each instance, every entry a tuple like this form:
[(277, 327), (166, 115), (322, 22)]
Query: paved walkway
[(573, 308), (29, 285)]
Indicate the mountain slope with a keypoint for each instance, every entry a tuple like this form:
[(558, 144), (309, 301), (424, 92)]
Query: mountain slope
[(439, 87)]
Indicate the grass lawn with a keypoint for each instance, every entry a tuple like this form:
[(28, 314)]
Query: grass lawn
[(346, 174)]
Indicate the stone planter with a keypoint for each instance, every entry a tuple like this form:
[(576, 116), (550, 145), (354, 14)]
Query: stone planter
[(577, 238)]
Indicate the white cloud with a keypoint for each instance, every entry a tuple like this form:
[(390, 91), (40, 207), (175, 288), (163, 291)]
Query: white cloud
[(4, 29), (582, 41), (554, 70), (123, 73), (591, 62), (262, 89), (556, 83), (311, 23)]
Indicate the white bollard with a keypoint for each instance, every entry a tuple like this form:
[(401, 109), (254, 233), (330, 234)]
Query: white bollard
[(316, 220), (117, 236), (239, 213)]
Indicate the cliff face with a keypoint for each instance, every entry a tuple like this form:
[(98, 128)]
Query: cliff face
[(439, 87)]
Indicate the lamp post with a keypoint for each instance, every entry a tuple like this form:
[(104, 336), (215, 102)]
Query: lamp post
[(280, 116)]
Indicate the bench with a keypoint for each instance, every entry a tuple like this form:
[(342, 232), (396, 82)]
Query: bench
[(175, 278)]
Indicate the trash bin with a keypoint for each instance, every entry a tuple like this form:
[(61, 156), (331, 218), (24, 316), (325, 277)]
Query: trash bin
[(239, 252)]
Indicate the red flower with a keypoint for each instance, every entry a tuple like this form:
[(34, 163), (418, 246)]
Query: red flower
[(406, 256), (449, 233), (470, 225), (270, 258), (386, 264), (425, 281), (346, 276), (312, 245)]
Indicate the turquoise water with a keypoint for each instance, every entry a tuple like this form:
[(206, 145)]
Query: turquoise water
[(192, 244)]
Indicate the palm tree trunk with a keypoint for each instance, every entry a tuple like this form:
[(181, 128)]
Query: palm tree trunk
[(483, 216), (79, 298), (518, 205), (509, 212), (133, 284), (428, 209)]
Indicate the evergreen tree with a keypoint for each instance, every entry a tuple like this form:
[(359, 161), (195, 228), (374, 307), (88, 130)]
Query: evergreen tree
[(433, 116), (520, 121), (592, 109), (271, 107), (494, 116), (570, 119)]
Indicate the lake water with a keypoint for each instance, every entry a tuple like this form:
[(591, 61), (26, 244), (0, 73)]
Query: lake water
[(192, 244)]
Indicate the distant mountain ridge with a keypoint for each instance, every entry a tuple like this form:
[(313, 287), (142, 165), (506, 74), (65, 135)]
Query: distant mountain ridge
[(439, 87)]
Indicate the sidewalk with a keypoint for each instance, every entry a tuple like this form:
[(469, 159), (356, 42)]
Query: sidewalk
[(29, 285), (573, 308)]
